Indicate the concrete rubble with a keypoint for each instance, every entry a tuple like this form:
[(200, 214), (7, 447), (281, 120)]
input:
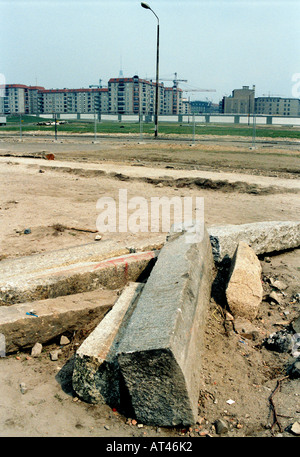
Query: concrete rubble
[(262, 237), (96, 377), (56, 277), (158, 352), (52, 317), (146, 346), (244, 290)]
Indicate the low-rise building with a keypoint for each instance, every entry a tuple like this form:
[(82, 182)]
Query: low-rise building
[(277, 106), (243, 101)]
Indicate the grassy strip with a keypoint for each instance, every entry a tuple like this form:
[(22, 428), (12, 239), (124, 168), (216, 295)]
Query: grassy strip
[(148, 128)]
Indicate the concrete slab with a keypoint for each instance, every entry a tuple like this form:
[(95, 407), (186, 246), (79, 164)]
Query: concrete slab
[(52, 317), (96, 376), (262, 237), (41, 279), (160, 353)]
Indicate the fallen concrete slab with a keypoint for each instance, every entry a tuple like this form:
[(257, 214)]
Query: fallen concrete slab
[(23, 326), (42, 282), (96, 376), (262, 237), (160, 352)]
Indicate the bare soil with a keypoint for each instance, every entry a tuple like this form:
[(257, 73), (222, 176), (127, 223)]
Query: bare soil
[(55, 204)]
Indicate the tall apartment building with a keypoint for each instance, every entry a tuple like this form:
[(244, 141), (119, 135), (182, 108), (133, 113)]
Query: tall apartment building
[(13, 98), (137, 96)]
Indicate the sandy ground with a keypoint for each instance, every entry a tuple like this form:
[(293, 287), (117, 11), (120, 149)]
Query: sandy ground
[(233, 367)]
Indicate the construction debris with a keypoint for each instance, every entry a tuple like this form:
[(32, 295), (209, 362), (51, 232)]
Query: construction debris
[(244, 289)]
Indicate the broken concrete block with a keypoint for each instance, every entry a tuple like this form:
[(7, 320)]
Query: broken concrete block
[(96, 375), (36, 350), (244, 290), (52, 317), (160, 352), (69, 271), (262, 237)]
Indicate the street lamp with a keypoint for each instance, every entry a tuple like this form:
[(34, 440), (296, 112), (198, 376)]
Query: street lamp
[(147, 7)]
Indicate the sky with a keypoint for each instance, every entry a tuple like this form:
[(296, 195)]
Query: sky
[(219, 45)]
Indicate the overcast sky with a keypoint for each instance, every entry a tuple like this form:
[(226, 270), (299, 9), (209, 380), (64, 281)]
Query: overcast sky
[(219, 45)]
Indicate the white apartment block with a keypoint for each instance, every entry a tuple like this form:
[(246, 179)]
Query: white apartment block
[(122, 96), (134, 96)]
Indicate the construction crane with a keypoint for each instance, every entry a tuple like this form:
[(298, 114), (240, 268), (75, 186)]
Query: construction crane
[(97, 86), (175, 80), (199, 90)]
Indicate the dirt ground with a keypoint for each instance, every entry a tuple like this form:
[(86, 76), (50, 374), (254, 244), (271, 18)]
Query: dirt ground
[(54, 204)]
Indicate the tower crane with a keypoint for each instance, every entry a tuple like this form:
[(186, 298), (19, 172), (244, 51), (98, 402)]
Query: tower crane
[(175, 80)]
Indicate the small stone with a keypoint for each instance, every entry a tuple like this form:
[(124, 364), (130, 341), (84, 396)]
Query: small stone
[(200, 420), (296, 325), (23, 388), (278, 284), (140, 425), (27, 231), (294, 370), (221, 426), (64, 340), (274, 297), (246, 329), (106, 427), (54, 354), (204, 433), (267, 259), (229, 317), (98, 237), (133, 422), (295, 428), (36, 350)]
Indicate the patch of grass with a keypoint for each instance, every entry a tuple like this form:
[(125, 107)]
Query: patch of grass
[(164, 128)]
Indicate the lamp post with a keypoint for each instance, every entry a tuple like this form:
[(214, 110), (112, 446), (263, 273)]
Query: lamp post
[(147, 7)]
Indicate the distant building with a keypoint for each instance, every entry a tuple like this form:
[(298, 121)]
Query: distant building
[(243, 101), (14, 98), (122, 96), (201, 107), (69, 101), (240, 102), (137, 96), (277, 106)]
